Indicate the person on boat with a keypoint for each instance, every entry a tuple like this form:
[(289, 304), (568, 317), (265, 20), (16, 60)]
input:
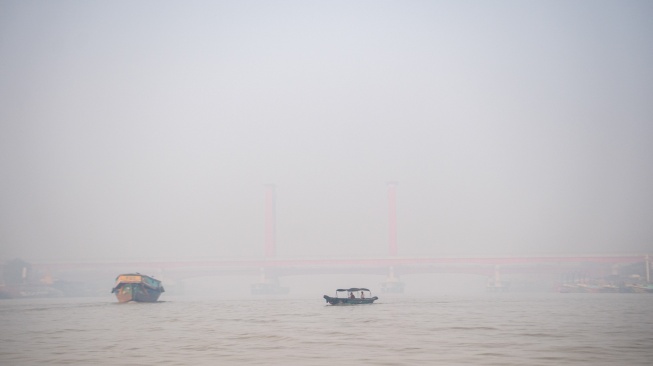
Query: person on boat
[(362, 295), (351, 295)]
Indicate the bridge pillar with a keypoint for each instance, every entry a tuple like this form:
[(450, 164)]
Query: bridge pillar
[(392, 284), (392, 219), (268, 285), (270, 221), (495, 284)]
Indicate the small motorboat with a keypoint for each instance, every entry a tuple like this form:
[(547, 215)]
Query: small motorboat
[(351, 296)]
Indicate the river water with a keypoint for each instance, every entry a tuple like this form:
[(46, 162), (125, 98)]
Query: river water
[(488, 329)]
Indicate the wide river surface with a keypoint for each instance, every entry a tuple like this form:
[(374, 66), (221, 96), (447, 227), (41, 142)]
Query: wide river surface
[(487, 329)]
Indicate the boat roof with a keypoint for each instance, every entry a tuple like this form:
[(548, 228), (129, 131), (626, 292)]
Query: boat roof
[(352, 289), (134, 274)]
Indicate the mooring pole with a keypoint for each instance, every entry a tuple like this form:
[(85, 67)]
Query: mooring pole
[(648, 270), (392, 219), (270, 221)]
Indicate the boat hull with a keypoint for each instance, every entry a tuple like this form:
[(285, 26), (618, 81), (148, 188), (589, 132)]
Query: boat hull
[(348, 301), (136, 292)]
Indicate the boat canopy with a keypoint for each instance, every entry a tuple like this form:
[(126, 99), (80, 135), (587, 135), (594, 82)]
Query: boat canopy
[(351, 289)]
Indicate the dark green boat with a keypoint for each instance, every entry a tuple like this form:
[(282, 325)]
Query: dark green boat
[(351, 296)]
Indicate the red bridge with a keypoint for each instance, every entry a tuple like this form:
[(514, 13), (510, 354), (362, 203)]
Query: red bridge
[(393, 265)]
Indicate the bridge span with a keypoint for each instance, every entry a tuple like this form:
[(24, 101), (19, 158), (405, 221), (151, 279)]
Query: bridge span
[(400, 265)]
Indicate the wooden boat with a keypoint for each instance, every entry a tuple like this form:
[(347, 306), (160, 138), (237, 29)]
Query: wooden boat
[(642, 288), (137, 287), (352, 296)]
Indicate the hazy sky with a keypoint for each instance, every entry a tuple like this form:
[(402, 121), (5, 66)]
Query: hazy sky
[(136, 130)]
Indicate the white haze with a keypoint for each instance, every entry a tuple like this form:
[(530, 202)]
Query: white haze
[(147, 130)]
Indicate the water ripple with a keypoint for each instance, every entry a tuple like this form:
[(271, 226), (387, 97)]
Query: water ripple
[(510, 330)]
